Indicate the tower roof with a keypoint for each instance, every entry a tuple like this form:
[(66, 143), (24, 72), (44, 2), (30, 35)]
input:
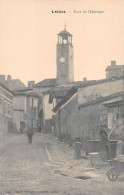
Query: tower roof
[(64, 33)]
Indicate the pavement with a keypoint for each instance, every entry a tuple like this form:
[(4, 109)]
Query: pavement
[(47, 167)]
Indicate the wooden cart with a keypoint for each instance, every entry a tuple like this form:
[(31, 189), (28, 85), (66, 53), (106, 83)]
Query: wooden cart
[(116, 168)]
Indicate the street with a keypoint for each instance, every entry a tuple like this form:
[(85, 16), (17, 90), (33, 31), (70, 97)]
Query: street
[(47, 167)]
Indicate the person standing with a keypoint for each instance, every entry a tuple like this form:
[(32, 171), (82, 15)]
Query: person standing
[(30, 134), (104, 144)]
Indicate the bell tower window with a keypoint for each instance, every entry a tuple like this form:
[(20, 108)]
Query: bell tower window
[(65, 37)]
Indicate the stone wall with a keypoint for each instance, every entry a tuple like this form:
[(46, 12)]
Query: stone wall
[(66, 119), (89, 120), (77, 122), (101, 89)]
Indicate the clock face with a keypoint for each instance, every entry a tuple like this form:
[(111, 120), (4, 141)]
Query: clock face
[(62, 59)]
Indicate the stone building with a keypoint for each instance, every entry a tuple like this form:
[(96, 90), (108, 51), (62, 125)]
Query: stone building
[(104, 110), (114, 70), (75, 120), (82, 111), (6, 109), (115, 107)]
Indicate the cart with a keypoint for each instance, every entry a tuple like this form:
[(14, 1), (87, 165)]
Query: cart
[(116, 168)]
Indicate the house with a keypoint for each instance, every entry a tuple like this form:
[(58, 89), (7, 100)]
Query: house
[(115, 108), (6, 109), (19, 107), (114, 70), (97, 112), (32, 110), (12, 84), (49, 99), (27, 106), (81, 111)]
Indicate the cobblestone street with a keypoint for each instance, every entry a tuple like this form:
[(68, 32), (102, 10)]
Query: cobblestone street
[(47, 167)]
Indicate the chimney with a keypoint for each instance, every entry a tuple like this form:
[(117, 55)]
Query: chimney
[(2, 79), (31, 83), (84, 79), (9, 78), (113, 63)]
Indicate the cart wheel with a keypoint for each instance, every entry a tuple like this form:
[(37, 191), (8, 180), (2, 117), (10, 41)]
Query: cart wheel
[(112, 174)]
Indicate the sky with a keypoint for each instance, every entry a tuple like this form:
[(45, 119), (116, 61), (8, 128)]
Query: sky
[(28, 37)]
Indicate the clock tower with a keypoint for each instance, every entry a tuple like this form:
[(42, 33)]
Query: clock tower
[(65, 68)]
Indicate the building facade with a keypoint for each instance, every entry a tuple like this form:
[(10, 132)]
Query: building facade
[(50, 98), (115, 109), (32, 110), (6, 109), (26, 109), (84, 112)]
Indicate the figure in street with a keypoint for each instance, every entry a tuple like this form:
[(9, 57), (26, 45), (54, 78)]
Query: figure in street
[(104, 144), (30, 134)]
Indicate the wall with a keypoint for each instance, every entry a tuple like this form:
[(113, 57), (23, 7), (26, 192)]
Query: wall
[(66, 119), (89, 120), (102, 89), (116, 119), (6, 124), (19, 105), (47, 107), (6, 110), (19, 117), (19, 102), (84, 121), (32, 111), (31, 102)]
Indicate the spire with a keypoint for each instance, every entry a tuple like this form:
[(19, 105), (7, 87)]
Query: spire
[(65, 26)]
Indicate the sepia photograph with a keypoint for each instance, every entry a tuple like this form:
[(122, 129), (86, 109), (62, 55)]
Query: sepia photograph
[(61, 97)]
